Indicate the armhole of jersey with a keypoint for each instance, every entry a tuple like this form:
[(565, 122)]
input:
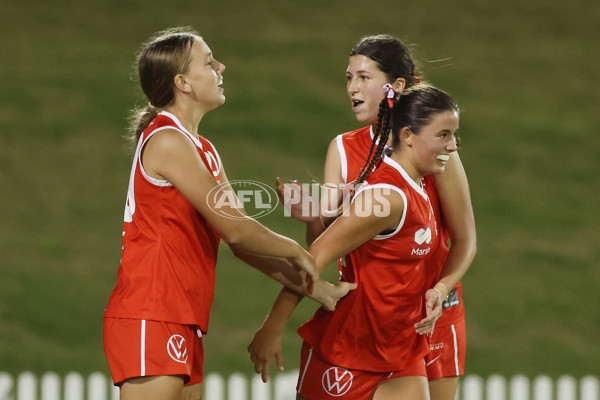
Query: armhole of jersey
[(214, 149), (344, 163), (395, 189), (154, 181)]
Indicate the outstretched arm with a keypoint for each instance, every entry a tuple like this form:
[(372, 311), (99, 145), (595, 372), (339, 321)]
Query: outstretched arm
[(170, 155), (296, 281), (343, 236)]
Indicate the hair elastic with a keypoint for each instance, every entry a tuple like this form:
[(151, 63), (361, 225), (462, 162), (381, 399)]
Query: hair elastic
[(391, 94)]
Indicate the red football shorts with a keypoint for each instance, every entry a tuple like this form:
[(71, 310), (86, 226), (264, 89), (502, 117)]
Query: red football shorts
[(447, 348), (136, 348), (320, 380)]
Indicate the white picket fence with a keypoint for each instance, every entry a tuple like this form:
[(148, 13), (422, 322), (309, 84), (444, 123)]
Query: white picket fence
[(97, 386)]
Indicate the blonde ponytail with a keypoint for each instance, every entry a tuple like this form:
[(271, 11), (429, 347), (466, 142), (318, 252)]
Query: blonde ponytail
[(139, 120)]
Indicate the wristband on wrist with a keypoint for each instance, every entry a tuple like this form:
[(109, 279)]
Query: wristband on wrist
[(441, 295), (442, 291)]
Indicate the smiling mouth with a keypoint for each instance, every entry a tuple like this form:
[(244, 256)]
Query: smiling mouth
[(443, 157), (356, 103)]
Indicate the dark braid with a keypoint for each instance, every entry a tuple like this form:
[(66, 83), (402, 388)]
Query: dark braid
[(413, 109), (382, 132)]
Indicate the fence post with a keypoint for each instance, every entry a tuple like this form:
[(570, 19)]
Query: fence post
[(115, 392), (50, 386), (590, 388), (26, 386), (542, 388), (519, 388), (97, 387), (259, 389), (285, 386), (214, 387), (566, 388), (472, 388), (6, 386), (495, 388), (237, 387), (73, 386)]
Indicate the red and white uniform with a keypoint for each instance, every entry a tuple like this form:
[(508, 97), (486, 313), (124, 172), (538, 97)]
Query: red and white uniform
[(372, 327), (353, 148), (167, 270), (448, 342)]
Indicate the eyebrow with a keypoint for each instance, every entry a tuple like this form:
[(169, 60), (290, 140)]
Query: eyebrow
[(362, 71), (448, 131)]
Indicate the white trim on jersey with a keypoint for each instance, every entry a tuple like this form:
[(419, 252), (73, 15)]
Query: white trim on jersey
[(143, 349), (407, 178), (343, 161), (182, 128), (138, 153), (130, 200), (395, 189)]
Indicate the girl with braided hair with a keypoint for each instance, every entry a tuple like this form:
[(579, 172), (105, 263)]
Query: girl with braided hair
[(368, 347), (375, 61)]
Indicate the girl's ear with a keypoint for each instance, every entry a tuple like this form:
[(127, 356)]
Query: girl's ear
[(399, 85), (406, 136), (181, 84)]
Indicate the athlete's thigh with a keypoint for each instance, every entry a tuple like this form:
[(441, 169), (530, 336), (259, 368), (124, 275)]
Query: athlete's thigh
[(152, 388), (443, 388), (406, 387), (192, 392)]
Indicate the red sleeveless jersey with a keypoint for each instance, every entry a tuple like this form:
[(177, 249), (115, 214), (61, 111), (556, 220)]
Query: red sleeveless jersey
[(167, 270), (353, 148), (372, 328)]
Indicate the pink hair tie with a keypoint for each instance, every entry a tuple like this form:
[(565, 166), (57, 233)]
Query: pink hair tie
[(417, 79), (390, 93)]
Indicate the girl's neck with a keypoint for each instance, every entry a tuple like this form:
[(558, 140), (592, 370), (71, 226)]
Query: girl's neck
[(408, 166), (189, 118)]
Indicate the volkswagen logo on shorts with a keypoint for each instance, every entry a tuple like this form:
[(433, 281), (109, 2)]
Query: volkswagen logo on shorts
[(337, 381), (256, 198), (177, 348)]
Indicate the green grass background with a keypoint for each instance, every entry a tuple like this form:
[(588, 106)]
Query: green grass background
[(524, 73)]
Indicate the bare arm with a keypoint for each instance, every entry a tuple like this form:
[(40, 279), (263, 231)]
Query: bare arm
[(453, 192), (282, 271), (343, 236), (455, 199), (351, 230), (169, 155)]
